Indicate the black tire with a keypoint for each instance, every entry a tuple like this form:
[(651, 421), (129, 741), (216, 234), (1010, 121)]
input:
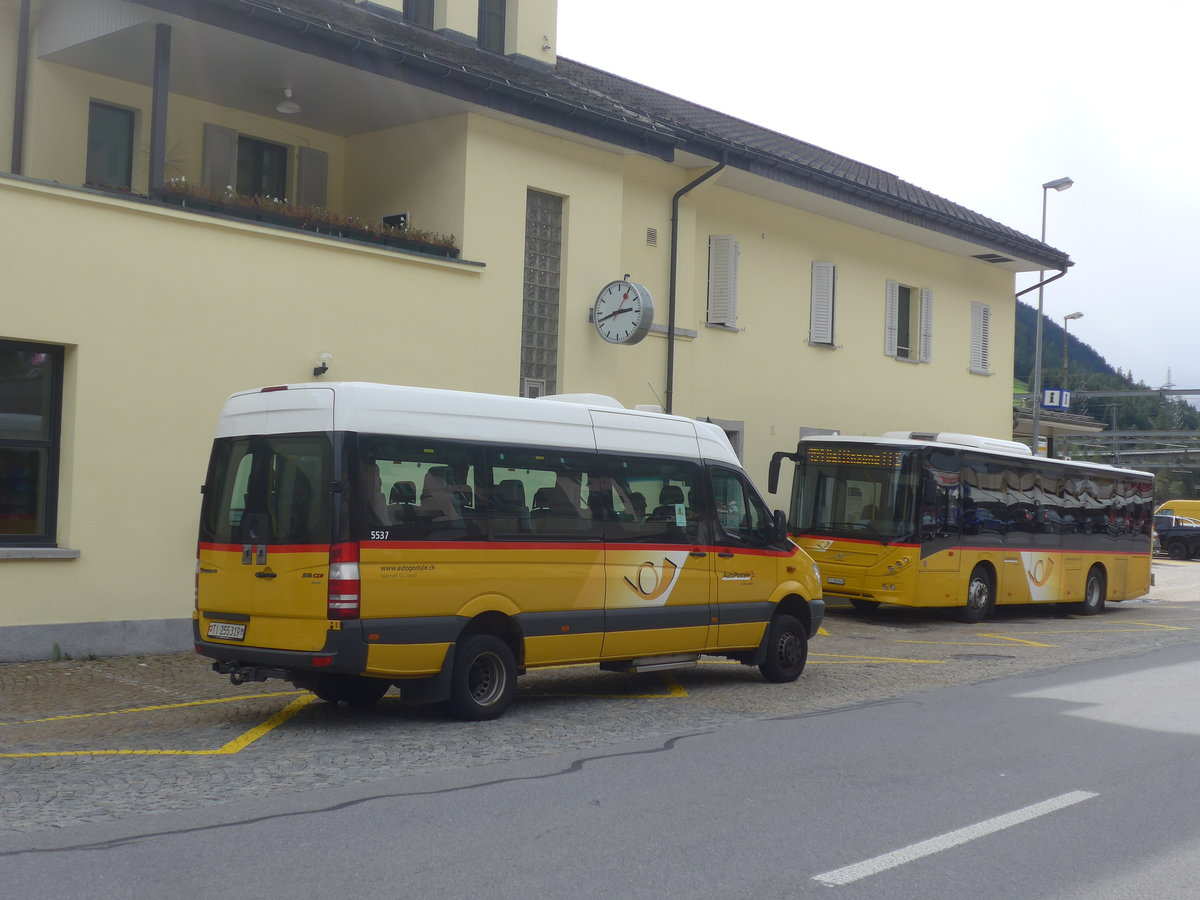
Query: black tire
[(484, 680), (1177, 550), (981, 597), (1093, 594), (864, 606), (357, 691), (787, 650)]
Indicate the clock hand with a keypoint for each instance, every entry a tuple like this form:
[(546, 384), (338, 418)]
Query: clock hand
[(615, 312)]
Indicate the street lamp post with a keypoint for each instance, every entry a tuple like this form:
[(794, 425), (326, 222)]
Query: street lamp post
[(1058, 184), (1066, 319)]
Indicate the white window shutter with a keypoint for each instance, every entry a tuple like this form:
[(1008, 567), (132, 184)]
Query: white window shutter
[(890, 316), (219, 168), (926, 325), (722, 279), (981, 328), (820, 320), (312, 177)]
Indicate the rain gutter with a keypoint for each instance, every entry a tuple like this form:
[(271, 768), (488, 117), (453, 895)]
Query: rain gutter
[(671, 298)]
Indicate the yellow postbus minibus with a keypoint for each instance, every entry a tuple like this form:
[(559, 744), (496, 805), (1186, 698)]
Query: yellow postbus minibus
[(358, 536), (967, 522)]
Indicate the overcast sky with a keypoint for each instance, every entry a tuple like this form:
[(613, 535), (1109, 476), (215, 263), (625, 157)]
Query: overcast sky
[(982, 104)]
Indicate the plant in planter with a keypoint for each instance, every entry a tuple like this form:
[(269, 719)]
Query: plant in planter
[(310, 218)]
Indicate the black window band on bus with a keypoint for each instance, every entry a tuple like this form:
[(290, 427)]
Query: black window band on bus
[(428, 490)]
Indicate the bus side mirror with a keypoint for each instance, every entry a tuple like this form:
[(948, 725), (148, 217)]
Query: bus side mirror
[(773, 472), (778, 532)]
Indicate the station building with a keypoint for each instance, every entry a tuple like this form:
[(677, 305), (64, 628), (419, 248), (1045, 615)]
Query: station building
[(207, 195)]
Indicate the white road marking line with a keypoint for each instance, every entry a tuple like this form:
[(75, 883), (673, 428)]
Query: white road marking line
[(852, 873)]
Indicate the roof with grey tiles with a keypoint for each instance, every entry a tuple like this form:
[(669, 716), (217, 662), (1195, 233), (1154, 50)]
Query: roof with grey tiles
[(590, 101)]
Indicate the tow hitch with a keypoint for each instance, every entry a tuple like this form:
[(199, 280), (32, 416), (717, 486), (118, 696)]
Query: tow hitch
[(239, 674)]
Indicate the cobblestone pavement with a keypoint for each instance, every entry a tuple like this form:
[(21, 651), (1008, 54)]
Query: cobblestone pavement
[(91, 740)]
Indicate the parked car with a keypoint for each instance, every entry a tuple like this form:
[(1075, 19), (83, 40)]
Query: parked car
[(1177, 536)]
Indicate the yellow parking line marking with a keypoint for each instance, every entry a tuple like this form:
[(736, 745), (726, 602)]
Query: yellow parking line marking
[(999, 637), (235, 746), (822, 631), (140, 709)]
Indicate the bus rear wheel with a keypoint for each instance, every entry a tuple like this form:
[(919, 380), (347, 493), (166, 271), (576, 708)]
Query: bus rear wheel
[(485, 678), (1093, 594), (787, 650), (981, 597)]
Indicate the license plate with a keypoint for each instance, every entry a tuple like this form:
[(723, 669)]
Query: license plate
[(224, 631)]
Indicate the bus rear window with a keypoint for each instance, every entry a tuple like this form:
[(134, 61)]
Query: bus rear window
[(268, 490)]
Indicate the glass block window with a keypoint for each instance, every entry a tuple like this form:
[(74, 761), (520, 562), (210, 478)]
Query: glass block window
[(540, 301)]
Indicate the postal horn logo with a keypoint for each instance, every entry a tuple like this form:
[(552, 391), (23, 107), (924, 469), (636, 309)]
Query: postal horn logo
[(1039, 574), (650, 582)]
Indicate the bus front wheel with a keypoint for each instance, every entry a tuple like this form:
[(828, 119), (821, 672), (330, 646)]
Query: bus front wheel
[(485, 678), (981, 597), (787, 650)]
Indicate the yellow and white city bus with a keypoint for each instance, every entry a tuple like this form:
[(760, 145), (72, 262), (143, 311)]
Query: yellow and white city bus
[(355, 536), (966, 522)]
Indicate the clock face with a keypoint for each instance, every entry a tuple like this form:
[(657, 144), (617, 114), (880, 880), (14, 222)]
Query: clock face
[(623, 312)]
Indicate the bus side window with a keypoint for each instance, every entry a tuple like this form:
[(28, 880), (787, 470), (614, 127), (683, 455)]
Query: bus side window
[(740, 514), (669, 490)]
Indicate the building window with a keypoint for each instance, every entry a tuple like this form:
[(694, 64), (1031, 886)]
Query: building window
[(981, 339), (723, 252), (491, 25), (908, 322), (261, 168), (540, 300), (30, 415), (820, 317), (110, 146), (419, 12)]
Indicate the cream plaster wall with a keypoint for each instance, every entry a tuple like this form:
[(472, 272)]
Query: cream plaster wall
[(418, 169), (531, 29), (165, 314), (503, 162)]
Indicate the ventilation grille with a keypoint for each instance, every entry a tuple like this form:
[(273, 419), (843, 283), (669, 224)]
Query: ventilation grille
[(992, 257), (651, 237)]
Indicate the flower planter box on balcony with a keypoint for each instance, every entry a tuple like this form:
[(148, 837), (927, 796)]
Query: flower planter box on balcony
[(268, 216)]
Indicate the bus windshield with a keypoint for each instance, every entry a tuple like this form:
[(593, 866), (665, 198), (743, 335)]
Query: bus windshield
[(857, 491)]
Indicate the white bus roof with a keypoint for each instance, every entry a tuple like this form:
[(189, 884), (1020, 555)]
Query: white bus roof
[(583, 421), (955, 441)]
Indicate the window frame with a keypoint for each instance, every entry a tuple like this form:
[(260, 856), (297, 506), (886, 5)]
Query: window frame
[(823, 305), (922, 317), (125, 183), (980, 353), (493, 20), (51, 444), (724, 252)]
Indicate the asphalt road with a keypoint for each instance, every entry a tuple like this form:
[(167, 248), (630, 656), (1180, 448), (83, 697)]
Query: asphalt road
[(98, 741), (1071, 783)]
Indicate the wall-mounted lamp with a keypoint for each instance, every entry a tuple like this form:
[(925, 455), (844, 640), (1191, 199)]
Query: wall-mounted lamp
[(287, 105), (322, 365)]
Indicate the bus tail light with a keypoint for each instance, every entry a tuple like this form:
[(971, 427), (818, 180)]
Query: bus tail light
[(344, 584)]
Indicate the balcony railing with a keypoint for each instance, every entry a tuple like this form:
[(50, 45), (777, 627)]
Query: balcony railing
[(315, 220)]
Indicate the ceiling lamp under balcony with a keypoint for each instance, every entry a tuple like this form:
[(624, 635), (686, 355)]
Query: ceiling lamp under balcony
[(287, 105)]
